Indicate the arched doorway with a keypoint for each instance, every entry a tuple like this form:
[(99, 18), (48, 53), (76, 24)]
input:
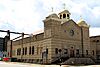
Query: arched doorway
[(72, 52)]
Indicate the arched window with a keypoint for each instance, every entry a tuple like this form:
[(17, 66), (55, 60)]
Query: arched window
[(86, 52), (60, 16), (92, 52), (56, 50), (97, 40), (25, 50), (64, 15), (66, 51), (46, 50), (77, 51), (30, 50), (68, 15)]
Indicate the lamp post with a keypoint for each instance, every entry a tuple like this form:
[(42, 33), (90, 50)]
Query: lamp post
[(11, 50), (8, 34), (31, 35)]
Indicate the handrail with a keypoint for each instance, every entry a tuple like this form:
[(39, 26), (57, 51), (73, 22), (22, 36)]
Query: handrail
[(58, 56)]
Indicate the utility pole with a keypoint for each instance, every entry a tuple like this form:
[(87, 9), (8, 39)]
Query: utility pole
[(22, 47), (11, 50), (8, 34)]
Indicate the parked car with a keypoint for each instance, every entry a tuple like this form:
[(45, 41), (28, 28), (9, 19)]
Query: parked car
[(1, 58), (6, 59)]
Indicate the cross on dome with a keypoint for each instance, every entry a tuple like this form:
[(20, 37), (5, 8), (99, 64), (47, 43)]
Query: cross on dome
[(64, 6)]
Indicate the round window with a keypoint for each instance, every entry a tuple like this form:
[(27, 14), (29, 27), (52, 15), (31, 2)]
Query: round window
[(71, 32)]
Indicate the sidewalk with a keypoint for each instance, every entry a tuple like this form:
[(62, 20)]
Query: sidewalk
[(18, 64), (36, 65)]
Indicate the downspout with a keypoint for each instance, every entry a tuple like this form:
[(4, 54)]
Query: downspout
[(82, 42)]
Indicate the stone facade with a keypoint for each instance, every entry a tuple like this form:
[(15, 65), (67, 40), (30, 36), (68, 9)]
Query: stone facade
[(62, 37), (95, 46)]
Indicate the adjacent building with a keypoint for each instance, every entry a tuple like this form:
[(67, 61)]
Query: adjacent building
[(95, 45), (3, 48), (1, 43)]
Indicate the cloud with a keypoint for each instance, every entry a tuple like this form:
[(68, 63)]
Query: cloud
[(20, 14), (94, 31), (89, 10), (27, 15), (38, 31), (96, 11), (85, 8)]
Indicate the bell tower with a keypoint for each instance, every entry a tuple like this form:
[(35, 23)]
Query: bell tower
[(52, 26), (64, 15)]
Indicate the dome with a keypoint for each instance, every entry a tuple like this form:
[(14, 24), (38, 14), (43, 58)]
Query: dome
[(65, 11), (53, 16), (82, 23)]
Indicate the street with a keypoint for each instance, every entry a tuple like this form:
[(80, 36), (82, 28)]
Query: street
[(15, 64)]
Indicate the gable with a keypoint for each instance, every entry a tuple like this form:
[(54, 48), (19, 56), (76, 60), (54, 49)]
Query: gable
[(70, 30), (70, 22)]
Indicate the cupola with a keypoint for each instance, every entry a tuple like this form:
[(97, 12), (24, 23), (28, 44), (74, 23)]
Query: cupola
[(64, 16)]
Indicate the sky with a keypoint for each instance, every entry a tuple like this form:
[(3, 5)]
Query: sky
[(27, 15)]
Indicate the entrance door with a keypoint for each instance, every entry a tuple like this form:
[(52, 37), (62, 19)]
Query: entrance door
[(72, 52)]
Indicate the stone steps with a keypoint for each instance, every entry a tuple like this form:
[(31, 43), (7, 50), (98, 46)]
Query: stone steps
[(72, 61)]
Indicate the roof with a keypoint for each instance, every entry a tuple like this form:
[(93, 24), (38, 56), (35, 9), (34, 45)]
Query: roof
[(36, 37), (65, 11), (71, 20), (52, 16), (95, 36)]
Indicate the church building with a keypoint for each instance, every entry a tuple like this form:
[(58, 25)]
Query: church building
[(62, 40)]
